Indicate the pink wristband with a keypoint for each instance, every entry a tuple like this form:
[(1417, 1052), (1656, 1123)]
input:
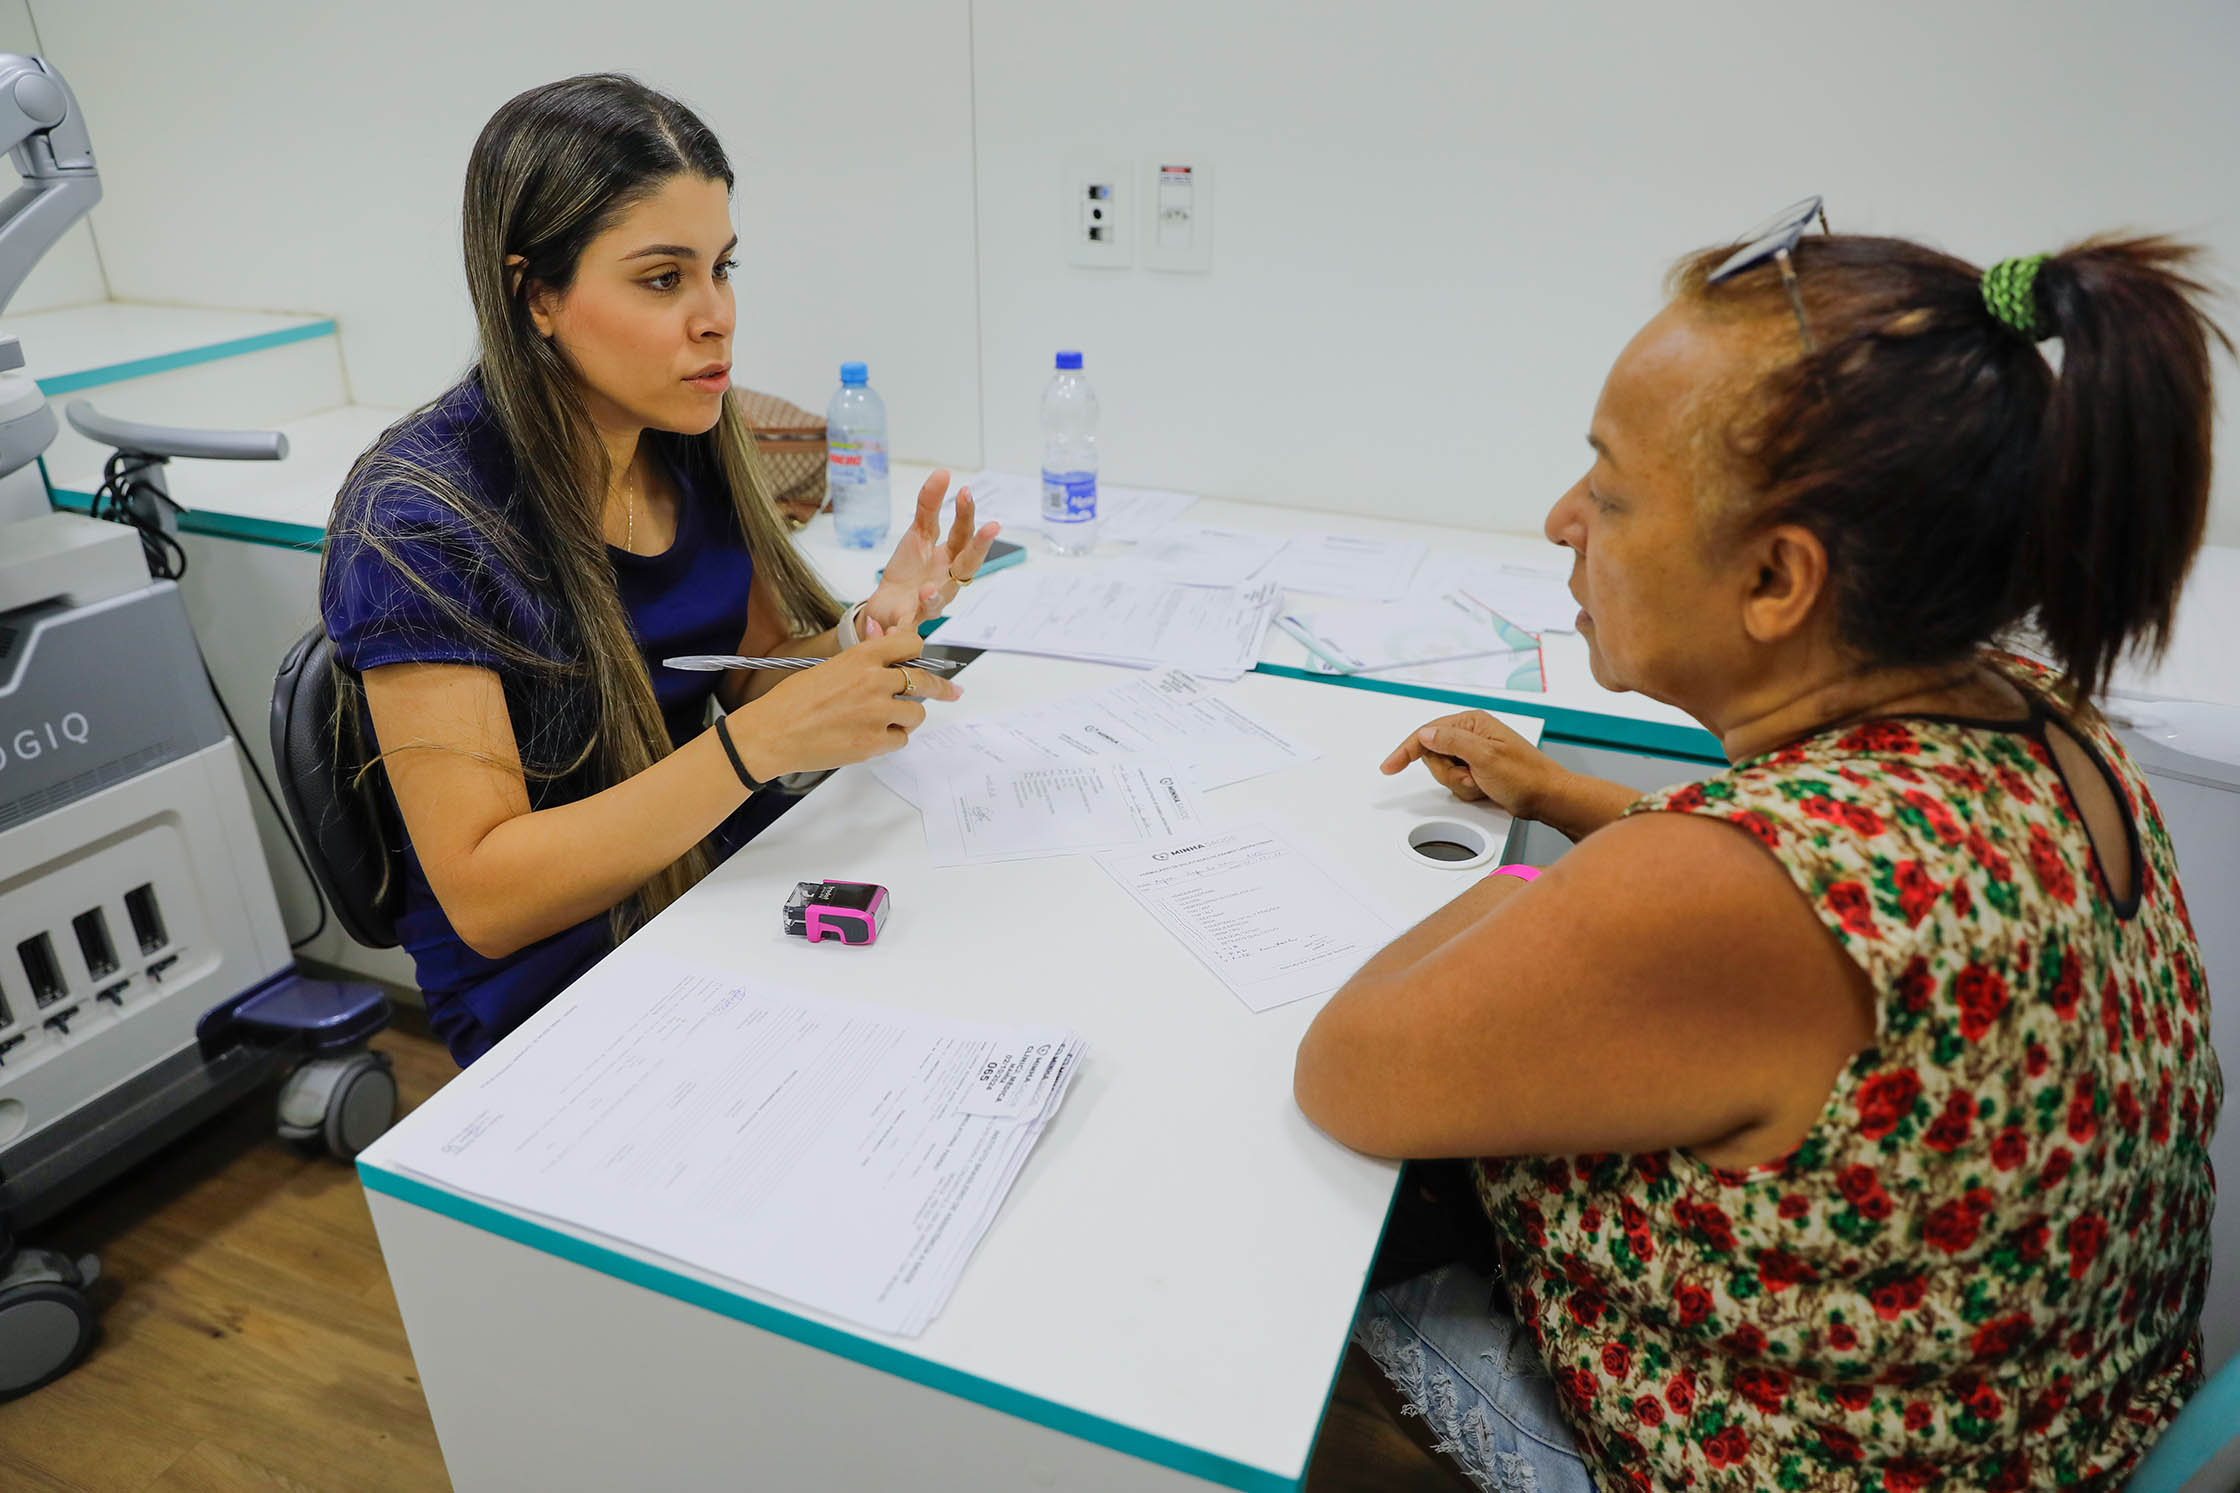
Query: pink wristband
[(1517, 869)]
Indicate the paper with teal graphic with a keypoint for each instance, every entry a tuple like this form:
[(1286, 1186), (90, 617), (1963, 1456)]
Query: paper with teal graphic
[(1452, 640)]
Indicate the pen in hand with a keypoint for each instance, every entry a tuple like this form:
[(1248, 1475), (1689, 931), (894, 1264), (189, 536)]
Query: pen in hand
[(718, 662)]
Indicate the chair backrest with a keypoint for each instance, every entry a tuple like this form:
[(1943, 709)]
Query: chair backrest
[(350, 834)]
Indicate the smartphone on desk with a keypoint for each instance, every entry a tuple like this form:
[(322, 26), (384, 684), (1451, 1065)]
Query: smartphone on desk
[(1000, 554)]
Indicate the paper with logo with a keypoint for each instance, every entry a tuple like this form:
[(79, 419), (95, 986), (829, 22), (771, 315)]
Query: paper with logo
[(1452, 639)]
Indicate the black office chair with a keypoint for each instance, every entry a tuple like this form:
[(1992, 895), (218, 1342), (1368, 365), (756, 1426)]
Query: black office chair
[(350, 833)]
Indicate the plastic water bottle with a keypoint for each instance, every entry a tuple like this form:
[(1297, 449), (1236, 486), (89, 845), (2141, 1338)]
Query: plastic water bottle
[(1069, 459), (855, 464)]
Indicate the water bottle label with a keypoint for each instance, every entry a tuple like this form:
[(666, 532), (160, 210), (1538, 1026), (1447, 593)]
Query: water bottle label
[(1069, 497), (855, 461)]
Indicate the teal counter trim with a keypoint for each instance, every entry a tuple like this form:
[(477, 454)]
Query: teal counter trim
[(1689, 743), (305, 537), (872, 1354), (117, 373)]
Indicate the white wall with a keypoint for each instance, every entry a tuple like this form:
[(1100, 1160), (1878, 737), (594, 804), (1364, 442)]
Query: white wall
[(272, 155), (1436, 223)]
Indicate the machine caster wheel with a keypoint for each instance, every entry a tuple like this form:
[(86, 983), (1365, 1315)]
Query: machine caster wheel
[(345, 1103), (47, 1324)]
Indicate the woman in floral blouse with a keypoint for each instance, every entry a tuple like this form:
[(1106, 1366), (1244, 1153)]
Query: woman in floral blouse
[(1845, 1113)]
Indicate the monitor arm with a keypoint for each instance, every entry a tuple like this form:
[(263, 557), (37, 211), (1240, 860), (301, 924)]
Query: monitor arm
[(44, 132)]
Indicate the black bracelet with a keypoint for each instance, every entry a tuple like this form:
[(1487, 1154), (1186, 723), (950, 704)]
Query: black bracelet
[(723, 734)]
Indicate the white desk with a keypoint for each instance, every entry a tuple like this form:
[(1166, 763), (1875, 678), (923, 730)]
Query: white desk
[(1162, 1301)]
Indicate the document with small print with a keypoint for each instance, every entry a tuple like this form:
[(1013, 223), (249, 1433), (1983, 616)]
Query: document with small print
[(845, 1156), (1108, 617), (1171, 715), (1008, 814), (1274, 922)]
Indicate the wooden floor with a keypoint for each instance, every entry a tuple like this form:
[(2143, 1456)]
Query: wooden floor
[(250, 1340)]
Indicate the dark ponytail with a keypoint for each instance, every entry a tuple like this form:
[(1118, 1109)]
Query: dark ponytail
[(1961, 487), (2123, 482)]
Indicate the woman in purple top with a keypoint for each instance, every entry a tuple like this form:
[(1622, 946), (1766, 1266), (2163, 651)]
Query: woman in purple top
[(505, 568)]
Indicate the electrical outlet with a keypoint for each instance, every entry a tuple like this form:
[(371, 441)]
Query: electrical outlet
[(1178, 212), (1096, 215)]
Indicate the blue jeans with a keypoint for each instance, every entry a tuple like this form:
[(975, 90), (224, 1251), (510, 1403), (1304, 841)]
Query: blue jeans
[(1463, 1364)]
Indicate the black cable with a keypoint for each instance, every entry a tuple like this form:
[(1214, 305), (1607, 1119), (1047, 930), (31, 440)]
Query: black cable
[(118, 500)]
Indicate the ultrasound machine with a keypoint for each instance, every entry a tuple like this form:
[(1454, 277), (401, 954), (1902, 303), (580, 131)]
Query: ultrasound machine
[(146, 981)]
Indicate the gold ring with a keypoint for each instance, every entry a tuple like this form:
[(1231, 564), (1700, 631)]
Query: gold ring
[(905, 673), (962, 581)]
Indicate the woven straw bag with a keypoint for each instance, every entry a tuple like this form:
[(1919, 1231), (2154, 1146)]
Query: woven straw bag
[(791, 443)]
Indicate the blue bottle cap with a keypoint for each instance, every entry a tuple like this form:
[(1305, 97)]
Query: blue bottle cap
[(855, 375), (1069, 360)]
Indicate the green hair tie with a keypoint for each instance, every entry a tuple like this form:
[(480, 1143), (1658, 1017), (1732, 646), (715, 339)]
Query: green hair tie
[(2010, 294)]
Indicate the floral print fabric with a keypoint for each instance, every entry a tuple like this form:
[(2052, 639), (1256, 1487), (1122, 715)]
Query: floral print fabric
[(1984, 1266)]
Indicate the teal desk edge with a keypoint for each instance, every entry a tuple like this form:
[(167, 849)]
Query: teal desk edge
[(306, 537), (872, 1354), (1691, 743), (117, 373)]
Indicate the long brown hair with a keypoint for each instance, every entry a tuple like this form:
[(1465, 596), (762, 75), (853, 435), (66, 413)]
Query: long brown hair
[(554, 168), (1964, 488)]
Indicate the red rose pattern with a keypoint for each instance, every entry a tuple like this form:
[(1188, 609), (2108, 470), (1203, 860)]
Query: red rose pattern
[(1768, 1389), (1885, 1099), (1917, 893), (1849, 902), (1728, 1448), (1797, 1308), (1982, 995), (1951, 1128), (2051, 867)]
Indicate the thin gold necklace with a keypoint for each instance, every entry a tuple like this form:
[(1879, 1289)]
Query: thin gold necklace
[(629, 520)]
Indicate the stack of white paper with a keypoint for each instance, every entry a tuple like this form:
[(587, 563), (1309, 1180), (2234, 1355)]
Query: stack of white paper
[(1170, 716), (1211, 631), (1124, 514), (1348, 565), (844, 1156), (1274, 922), (1200, 555)]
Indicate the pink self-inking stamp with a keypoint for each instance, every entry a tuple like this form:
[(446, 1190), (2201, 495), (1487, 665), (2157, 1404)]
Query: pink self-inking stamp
[(851, 911)]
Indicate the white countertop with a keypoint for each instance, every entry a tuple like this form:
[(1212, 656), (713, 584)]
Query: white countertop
[(66, 345)]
